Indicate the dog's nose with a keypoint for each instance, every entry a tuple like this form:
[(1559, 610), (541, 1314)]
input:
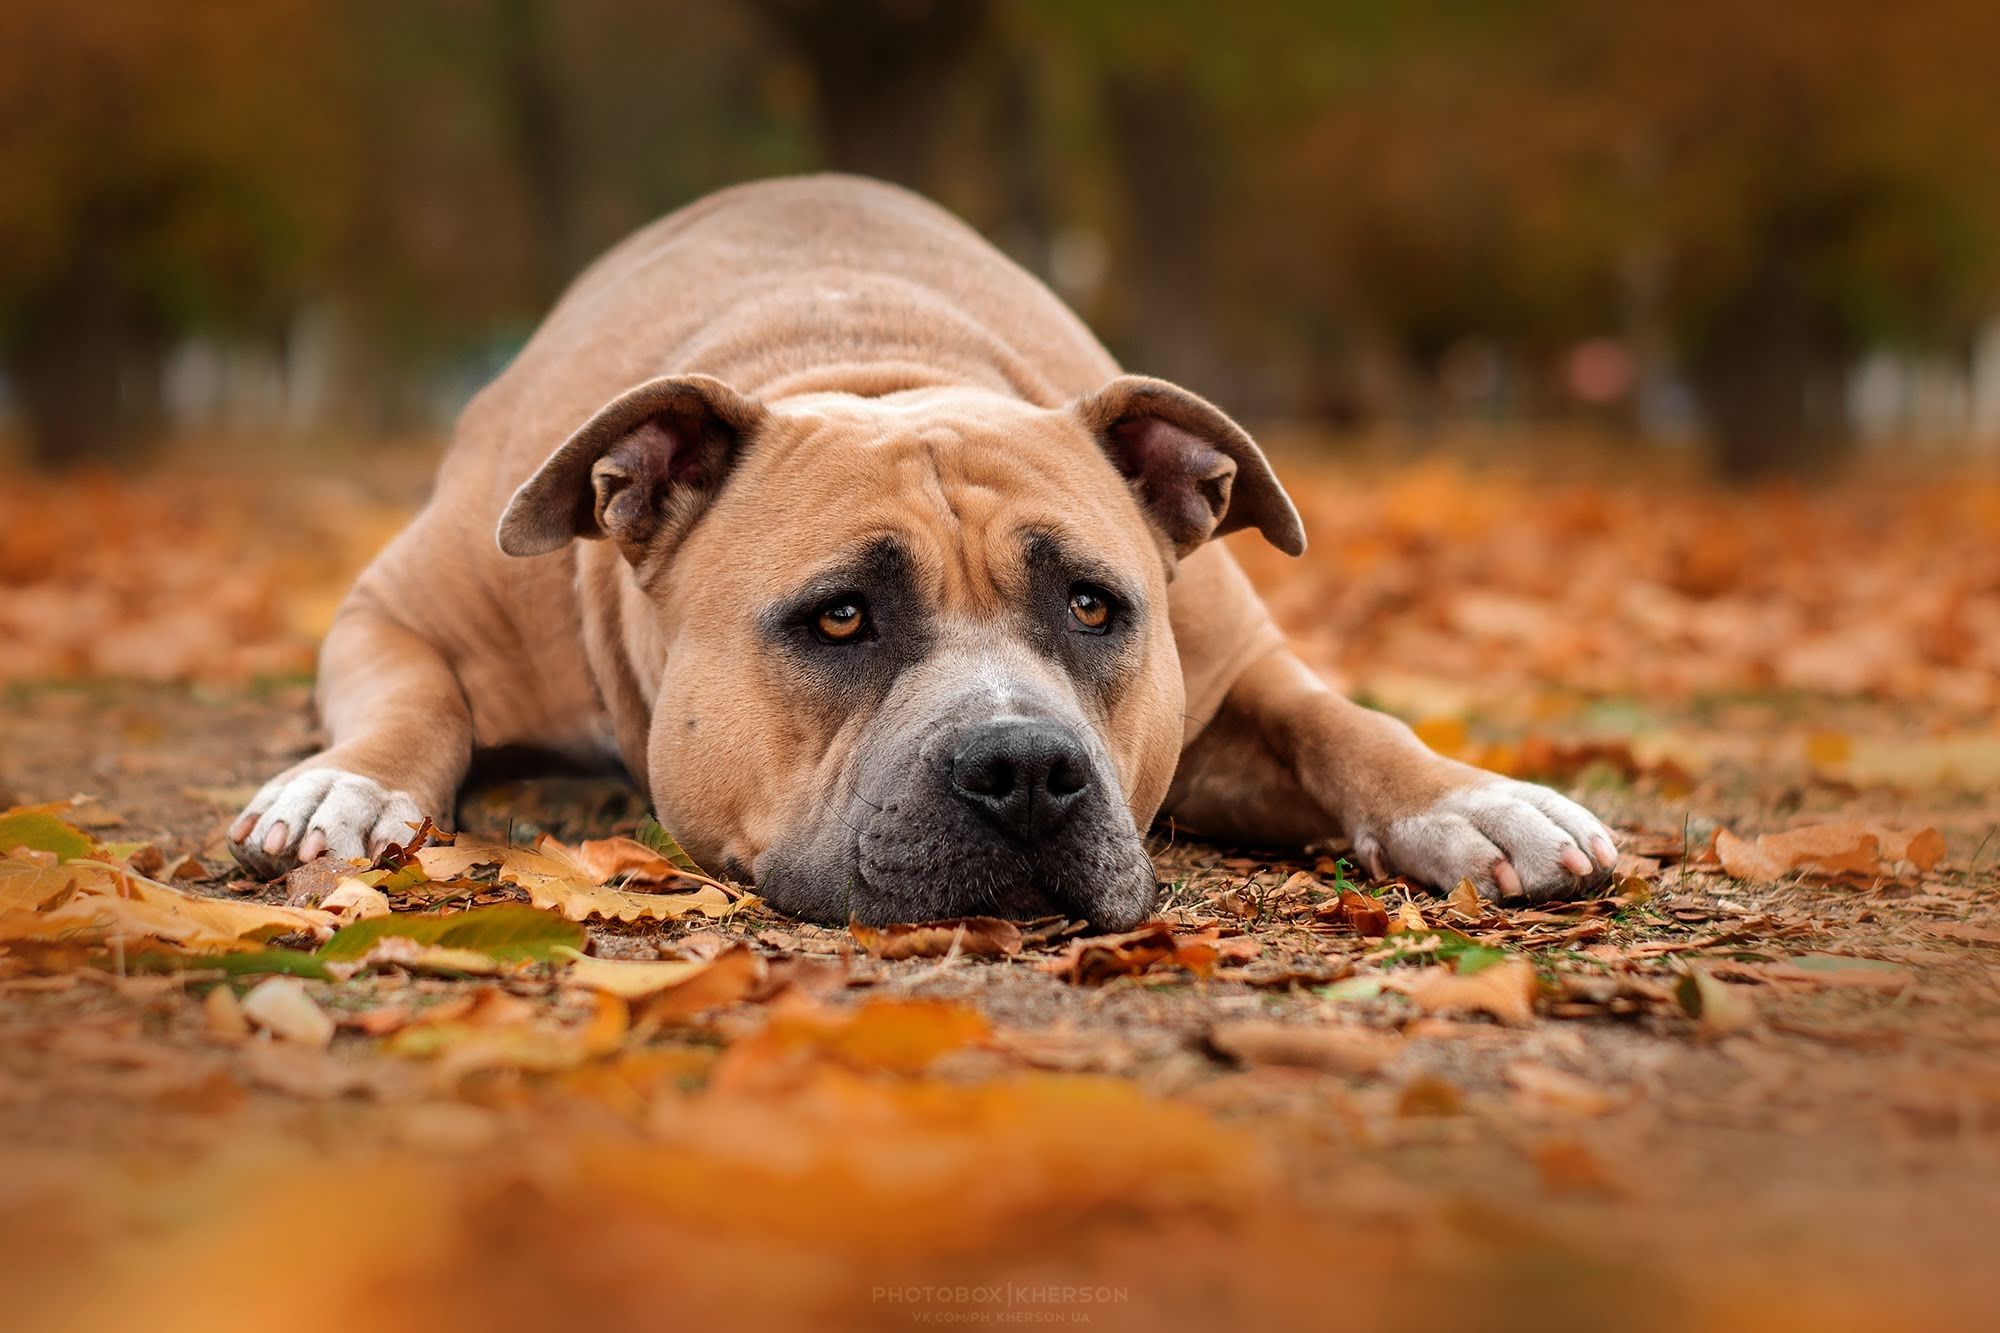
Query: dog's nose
[(1028, 777)]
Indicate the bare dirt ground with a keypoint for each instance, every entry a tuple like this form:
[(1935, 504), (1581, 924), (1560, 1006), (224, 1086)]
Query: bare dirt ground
[(1760, 1099)]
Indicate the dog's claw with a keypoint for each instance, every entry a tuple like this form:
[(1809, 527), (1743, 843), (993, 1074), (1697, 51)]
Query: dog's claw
[(317, 812), (1515, 841)]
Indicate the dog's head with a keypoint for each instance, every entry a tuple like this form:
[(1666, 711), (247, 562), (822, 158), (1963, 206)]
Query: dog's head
[(917, 658)]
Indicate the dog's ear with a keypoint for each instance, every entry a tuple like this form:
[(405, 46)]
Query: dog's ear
[(645, 464), (1196, 472)]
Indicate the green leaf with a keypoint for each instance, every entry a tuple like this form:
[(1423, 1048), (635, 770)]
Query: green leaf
[(1477, 958), (259, 962), (510, 932), (658, 839), (42, 832)]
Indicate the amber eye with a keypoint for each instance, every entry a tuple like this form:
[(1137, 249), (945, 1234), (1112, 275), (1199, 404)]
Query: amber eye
[(1090, 608), (842, 620)]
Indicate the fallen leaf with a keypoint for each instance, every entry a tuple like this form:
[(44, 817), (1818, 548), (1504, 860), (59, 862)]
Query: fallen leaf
[(1465, 901), (1847, 848), (903, 1037), (630, 979), (730, 976), (552, 879), (282, 1007), (1094, 959), (1549, 1089), (1720, 1009), (36, 828), (971, 937), (1505, 990), (508, 932), (355, 900), (1330, 1047), (1567, 1166), (224, 1016)]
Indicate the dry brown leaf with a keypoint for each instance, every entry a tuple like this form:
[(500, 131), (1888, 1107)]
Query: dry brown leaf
[(1504, 990), (1093, 959), (1333, 1048), (554, 879), (1360, 913), (1845, 848), (971, 937), (1568, 1166), (1720, 1009), (223, 1015), (883, 1036), (1545, 1088), (1066, 1050), (606, 859), (730, 976), (1464, 900)]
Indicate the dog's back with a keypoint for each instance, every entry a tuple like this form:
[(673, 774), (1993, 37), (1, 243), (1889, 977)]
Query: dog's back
[(799, 285)]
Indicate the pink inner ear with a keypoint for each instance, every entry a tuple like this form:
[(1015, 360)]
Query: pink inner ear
[(1182, 478)]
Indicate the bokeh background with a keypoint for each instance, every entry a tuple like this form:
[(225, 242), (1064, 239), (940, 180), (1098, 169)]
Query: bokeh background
[(1765, 236)]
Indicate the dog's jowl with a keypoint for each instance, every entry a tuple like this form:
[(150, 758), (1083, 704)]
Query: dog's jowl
[(890, 590)]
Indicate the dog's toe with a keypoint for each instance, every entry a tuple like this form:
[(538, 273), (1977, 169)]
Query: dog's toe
[(319, 812), (1515, 841)]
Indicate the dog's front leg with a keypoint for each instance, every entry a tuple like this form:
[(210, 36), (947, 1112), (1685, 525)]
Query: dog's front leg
[(1288, 760), (401, 738)]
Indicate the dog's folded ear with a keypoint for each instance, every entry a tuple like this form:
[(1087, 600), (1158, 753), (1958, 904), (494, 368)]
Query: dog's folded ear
[(1197, 473), (645, 464)]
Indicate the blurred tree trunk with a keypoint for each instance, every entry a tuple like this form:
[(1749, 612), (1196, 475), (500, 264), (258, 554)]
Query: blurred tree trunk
[(1769, 384), (1164, 146), (880, 69), (531, 95), (87, 383)]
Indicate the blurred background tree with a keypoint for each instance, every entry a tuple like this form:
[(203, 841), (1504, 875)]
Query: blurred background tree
[(1772, 227)]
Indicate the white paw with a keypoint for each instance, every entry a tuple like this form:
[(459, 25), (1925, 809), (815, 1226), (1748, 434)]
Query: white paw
[(1514, 840), (305, 814)]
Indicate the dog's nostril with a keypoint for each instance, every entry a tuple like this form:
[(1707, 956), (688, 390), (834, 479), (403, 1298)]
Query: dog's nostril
[(1028, 777), (990, 775)]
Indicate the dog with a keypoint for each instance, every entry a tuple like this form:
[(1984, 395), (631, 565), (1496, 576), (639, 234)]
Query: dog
[(894, 594)]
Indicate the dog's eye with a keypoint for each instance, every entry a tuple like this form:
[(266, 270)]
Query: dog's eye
[(842, 620), (1090, 608)]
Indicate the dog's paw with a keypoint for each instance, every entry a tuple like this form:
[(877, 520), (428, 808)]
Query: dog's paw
[(1515, 841), (311, 812)]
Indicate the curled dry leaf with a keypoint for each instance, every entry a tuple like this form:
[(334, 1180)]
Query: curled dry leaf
[(606, 859), (971, 937), (1504, 990), (1846, 848), (730, 976), (630, 979), (281, 1007), (355, 900), (1464, 901), (1358, 912), (1719, 1008), (1334, 1048), (1098, 958), (87, 901)]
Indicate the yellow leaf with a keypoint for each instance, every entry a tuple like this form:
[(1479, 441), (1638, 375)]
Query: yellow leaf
[(629, 979), (553, 879)]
